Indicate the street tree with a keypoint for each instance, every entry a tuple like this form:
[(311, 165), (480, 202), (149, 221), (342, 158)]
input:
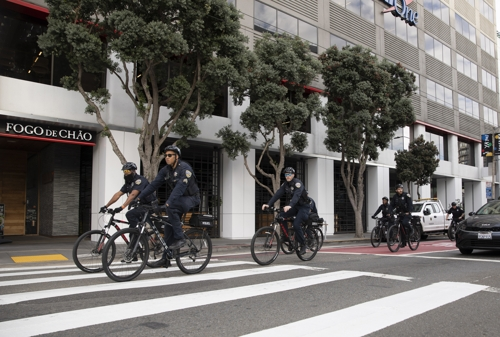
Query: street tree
[(172, 57), (368, 101), (418, 163), (279, 106)]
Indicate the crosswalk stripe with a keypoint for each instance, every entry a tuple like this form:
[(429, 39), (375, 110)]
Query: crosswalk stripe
[(83, 276), (36, 295), (2, 270), (72, 319), (376, 314)]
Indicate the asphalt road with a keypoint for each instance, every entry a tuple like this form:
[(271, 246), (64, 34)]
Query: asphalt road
[(349, 290)]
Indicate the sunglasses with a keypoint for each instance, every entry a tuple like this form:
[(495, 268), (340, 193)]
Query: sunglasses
[(127, 172), (288, 174), (169, 155)]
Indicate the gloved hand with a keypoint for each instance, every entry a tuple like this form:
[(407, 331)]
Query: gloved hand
[(103, 209), (374, 217), (117, 210)]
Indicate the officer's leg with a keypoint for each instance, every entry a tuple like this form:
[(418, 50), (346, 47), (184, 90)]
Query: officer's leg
[(134, 216), (174, 215), (406, 231), (302, 216)]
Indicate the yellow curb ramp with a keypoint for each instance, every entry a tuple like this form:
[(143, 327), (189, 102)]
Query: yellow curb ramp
[(38, 258)]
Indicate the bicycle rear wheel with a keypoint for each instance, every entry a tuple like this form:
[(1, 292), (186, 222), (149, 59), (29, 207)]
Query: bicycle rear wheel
[(156, 248), (125, 265), (393, 238), (376, 236), (321, 237), (414, 239), (265, 245), (196, 253), (87, 253), (311, 245), (288, 245), (451, 231)]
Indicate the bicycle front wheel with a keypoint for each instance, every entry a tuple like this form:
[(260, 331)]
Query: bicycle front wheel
[(414, 239), (288, 245), (265, 245), (376, 237), (126, 264), (393, 238), (311, 245), (196, 253), (87, 253), (451, 232)]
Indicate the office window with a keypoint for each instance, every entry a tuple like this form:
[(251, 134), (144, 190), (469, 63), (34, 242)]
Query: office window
[(398, 27), (466, 67), (465, 153), (489, 81), (232, 2), (440, 143), (338, 41), (490, 116), (363, 8), (465, 28), (468, 106), (268, 19), (487, 45), (486, 10), (437, 50), (437, 93), (401, 139), (439, 9)]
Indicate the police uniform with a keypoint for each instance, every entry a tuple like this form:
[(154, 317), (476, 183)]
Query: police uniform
[(401, 204), (185, 195), (386, 210), (138, 183), (456, 213), (299, 204)]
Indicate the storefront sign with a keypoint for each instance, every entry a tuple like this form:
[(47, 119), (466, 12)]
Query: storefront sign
[(400, 8), (486, 145), (45, 132)]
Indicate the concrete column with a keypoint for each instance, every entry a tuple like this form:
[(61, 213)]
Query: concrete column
[(453, 191), (441, 190), (479, 196), (453, 154), (468, 202), (478, 159), (107, 177), (419, 129), (377, 186), (320, 187), (425, 191), (238, 206)]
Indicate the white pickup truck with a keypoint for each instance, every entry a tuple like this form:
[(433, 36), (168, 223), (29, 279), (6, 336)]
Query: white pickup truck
[(429, 216)]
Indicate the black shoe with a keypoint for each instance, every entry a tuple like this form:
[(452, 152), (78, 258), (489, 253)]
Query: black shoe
[(163, 263), (403, 245), (302, 250), (134, 259), (177, 244)]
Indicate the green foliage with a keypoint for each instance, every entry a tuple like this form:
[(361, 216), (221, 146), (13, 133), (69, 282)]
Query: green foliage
[(234, 142), (418, 163)]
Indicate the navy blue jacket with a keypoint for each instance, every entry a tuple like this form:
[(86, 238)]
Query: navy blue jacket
[(295, 189)]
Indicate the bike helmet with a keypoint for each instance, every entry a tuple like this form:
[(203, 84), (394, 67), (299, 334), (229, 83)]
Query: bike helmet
[(399, 186), (453, 204), (129, 166), (385, 198), (172, 148), (289, 170)]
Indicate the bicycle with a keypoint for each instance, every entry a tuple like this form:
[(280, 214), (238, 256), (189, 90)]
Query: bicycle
[(266, 242), (87, 253), (379, 232), (395, 232), (319, 232), (452, 229), (128, 260)]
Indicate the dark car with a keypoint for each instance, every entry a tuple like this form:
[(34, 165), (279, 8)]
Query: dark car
[(481, 230)]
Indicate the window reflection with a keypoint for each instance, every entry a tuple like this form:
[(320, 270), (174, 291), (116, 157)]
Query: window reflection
[(363, 8), (287, 23), (465, 153), (439, 141), (337, 41)]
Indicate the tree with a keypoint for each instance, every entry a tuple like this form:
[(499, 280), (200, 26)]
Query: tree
[(172, 56), (278, 104), (418, 163), (368, 101)]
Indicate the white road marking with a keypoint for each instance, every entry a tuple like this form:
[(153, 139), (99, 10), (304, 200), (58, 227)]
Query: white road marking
[(72, 319), (36, 295), (84, 276), (35, 268), (377, 314)]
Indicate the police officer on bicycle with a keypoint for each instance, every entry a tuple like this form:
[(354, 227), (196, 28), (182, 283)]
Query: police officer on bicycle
[(402, 206), (134, 185), (299, 204), (185, 194), (386, 210), (456, 212)]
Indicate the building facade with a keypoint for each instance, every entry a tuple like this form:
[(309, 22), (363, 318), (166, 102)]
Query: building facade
[(57, 171)]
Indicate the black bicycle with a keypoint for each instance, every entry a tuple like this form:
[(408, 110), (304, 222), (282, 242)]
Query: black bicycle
[(379, 232), (87, 252), (452, 229), (266, 242), (394, 236), (128, 260)]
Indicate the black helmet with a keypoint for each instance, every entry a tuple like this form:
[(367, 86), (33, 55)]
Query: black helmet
[(172, 148), (399, 186), (129, 166), (289, 170), (453, 203), (385, 198)]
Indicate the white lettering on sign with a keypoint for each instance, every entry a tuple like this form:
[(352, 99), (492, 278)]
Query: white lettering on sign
[(401, 8), (40, 131)]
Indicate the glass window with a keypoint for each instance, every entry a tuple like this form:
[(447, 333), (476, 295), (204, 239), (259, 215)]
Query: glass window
[(468, 106), (401, 139), (489, 81), (466, 67), (287, 23), (232, 2), (309, 33), (465, 153), (337, 41), (437, 49), (265, 18), (439, 9), (486, 10), (487, 45), (490, 116), (401, 29), (363, 8), (440, 94), (465, 28), (439, 141)]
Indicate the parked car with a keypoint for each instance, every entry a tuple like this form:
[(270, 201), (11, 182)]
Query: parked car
[(481, 230), (429, 217)]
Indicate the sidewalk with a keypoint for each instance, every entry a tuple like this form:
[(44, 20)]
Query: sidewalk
[(42, 245)]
